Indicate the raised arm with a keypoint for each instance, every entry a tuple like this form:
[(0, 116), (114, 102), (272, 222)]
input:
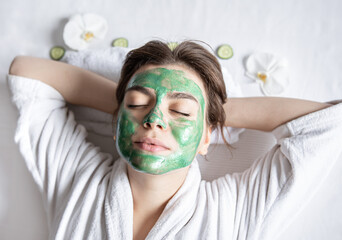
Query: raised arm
[(76, 85), (267, 113)]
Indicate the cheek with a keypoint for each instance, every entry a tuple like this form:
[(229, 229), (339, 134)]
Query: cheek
[(126, 125), (125, 129), (187, 133)]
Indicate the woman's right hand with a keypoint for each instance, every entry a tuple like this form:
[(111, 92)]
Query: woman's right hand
[(76, 85)]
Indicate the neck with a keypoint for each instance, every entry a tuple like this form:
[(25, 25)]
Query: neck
[(152, 192)]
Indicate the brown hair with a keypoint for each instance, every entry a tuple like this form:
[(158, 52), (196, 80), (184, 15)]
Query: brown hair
[(187, 53)]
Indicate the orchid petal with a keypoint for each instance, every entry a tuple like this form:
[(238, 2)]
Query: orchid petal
[(272, 87), (72, 36), (96, 24), (269, 71), (281, 75), (254, 64), (82, 29)]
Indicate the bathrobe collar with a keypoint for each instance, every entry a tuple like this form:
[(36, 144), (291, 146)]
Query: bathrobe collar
[(119, 205)]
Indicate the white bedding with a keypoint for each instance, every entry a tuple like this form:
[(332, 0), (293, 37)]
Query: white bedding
[(308, 33)]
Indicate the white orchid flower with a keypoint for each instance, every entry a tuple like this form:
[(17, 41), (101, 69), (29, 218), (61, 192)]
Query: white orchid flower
[(83, 29), (269, 71)]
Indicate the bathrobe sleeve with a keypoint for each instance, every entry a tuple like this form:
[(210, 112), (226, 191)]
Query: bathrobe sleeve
[(53, 145), (267, 196)]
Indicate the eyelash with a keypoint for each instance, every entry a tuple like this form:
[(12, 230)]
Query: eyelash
[(181, 113), (137, 106)]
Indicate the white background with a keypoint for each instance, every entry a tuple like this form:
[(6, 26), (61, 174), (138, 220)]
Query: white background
[(308, 33)]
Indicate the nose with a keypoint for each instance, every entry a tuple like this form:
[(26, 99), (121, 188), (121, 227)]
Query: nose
[(154, 119)]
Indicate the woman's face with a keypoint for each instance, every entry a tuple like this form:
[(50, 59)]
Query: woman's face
[(161, 123)]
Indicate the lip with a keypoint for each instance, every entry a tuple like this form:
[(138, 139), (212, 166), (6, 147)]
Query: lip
[(151, 145)]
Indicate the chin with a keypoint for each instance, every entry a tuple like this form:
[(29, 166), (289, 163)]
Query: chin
[(156, 165), (149, 164)]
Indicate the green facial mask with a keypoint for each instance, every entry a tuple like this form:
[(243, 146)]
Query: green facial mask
[(187, 133)]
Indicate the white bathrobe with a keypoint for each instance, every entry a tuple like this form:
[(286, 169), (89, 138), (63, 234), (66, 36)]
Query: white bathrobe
[(87, 195)]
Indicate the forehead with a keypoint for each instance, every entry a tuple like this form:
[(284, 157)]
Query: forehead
[(165, 79)]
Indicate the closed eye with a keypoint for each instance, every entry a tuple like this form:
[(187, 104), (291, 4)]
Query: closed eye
[(136, 106), (181, 113)]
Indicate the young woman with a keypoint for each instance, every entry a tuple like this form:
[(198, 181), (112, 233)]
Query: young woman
[(166, 105)]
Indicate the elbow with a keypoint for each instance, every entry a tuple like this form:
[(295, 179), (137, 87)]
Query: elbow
[(17, 66)]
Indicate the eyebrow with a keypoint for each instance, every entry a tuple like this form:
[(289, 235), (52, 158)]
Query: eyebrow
[(179, 95), (175, 95), (140, 89)]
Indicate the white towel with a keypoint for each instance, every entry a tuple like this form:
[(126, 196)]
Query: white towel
[(108, 62)]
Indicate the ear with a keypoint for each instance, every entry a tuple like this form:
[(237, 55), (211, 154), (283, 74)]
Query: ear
[(204, 149)]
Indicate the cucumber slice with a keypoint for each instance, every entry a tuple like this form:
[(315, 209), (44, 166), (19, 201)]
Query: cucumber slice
[(57, 52), (172, 45), (225, 51), (120, 42)]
